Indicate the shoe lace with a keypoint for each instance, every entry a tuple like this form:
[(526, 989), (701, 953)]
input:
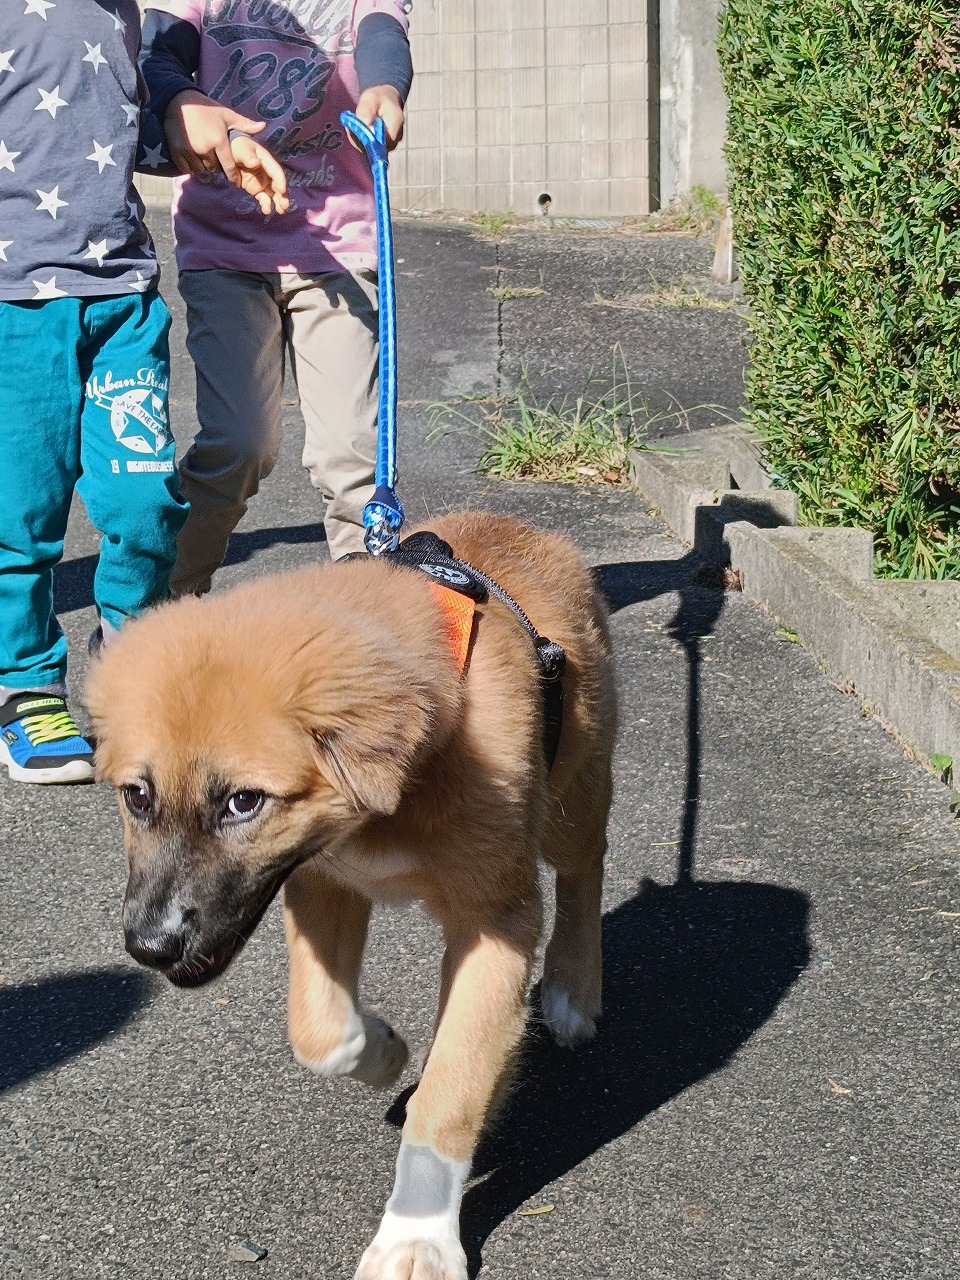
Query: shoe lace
[(50, 726)]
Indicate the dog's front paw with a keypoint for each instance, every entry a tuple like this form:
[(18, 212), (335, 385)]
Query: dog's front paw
[(369, 1050), (568, 1024), (384, 1054), (416, 1259)]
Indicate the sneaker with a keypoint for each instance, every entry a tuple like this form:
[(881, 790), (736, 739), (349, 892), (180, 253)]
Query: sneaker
[(39, 741)]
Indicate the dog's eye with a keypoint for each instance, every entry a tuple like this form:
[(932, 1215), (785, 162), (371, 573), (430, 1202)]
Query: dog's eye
[(243, 805), (138, 798)]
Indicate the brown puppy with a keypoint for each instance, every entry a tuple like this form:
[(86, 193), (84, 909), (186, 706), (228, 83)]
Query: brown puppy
[(313, 730)]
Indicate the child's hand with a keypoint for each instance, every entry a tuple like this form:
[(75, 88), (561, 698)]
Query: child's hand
[(197, 129), (260, 174), (381, 101)]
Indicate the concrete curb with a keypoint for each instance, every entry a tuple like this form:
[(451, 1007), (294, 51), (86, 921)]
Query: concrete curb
[(894, 645)]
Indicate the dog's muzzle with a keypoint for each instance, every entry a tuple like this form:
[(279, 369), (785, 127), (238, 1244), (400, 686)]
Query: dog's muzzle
[(189, 947)]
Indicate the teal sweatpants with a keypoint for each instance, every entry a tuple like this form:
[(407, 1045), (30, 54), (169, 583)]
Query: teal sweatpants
[(83, 406)]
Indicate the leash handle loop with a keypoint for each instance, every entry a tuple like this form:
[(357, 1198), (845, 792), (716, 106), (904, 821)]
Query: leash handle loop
[(383, 514)]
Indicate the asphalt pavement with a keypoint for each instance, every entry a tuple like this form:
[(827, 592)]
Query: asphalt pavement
[(773, 1090)]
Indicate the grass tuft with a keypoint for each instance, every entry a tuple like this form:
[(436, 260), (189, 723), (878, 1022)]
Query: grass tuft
[(682, 294), (510, 292), (493, 225), (584, 439)]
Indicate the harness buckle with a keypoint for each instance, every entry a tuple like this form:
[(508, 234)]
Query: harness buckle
[(552, 659)]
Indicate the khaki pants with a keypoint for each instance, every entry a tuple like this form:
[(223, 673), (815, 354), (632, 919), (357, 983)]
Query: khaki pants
[(240, 325)]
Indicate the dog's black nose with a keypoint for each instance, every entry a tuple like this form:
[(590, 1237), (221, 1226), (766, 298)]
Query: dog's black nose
[(157, 951)]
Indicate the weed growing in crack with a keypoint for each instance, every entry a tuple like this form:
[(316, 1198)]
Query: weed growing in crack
[(493, 225), (573, 440), (683, 294), (510, 292)]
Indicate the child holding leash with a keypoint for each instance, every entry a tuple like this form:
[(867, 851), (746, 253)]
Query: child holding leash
[(258, 287)]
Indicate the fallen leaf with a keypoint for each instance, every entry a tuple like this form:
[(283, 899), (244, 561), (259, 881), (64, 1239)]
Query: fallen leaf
[(696, 1212), (536, 1213)]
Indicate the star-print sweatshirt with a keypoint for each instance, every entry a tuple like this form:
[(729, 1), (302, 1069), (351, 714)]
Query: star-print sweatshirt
[(295, 64), (72, 128)]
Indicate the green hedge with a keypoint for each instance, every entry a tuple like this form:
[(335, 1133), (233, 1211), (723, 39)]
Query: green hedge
[(844, 152)]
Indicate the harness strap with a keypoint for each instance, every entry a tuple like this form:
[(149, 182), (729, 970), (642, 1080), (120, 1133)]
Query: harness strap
[(429, 554)]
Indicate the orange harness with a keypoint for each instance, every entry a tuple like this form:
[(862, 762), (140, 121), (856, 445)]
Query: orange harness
[(458, 614), (457, 588)]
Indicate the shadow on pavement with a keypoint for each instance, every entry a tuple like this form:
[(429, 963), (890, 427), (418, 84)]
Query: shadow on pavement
[(631, 582), (44, 1023), (73, 584), (73, 579), (243, 546), (691, 971), (624, 584)]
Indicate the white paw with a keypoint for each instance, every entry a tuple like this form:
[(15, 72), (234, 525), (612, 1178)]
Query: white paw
[(425, 1258), (370, 1051), (568, 1025)]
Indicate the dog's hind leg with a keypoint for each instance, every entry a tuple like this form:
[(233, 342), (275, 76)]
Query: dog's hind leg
[(572, 967), (570, 993), (326, 928), (483, 1012)]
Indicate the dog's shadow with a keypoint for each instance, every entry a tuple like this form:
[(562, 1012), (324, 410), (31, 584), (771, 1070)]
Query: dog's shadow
[(690, 972)]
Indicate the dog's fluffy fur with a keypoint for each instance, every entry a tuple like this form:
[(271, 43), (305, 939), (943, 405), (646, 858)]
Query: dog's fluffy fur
[(312, 730)]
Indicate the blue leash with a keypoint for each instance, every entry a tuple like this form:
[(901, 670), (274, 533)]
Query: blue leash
[(383, 514)]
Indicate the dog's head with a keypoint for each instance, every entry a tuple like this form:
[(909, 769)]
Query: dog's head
[(243, 733)]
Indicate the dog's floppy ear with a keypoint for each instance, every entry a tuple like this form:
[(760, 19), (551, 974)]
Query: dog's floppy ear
[(369, 776), (369, 719)]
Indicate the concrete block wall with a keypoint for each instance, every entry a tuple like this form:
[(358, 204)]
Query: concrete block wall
[(518, 98)]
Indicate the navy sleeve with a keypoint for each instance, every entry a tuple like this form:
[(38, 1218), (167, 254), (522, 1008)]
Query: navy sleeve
[(152, 154), (169, 56), (382, 55)]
